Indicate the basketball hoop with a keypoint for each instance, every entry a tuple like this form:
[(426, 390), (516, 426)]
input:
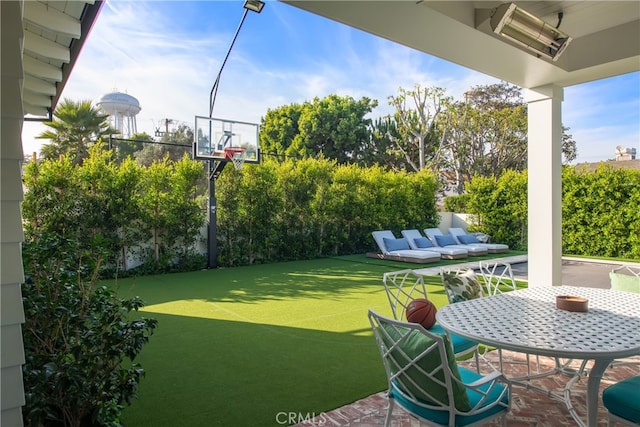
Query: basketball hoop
[(237, 155)]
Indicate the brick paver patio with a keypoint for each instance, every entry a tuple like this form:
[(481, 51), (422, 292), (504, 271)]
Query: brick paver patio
[(529, 408)]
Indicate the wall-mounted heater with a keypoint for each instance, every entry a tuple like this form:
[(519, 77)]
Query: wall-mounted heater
[(525, 29)]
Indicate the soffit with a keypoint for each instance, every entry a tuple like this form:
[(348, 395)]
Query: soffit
[(54, 32), (606, 35)]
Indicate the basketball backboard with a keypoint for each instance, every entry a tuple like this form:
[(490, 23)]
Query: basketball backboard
[(212, 136)]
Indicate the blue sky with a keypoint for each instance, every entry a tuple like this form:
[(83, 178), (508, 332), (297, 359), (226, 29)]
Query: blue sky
[(167, 54)]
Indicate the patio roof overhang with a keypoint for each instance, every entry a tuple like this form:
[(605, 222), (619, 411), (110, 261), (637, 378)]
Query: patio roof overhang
[(606, 35), (53, 35), (605, 43)]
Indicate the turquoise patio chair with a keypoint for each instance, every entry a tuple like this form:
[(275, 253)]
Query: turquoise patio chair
[(425, 380)]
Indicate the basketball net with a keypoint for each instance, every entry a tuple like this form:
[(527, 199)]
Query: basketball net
[(238, 160), (237, 156)]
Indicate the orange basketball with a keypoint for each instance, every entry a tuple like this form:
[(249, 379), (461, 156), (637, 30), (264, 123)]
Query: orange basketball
[(422, 311)]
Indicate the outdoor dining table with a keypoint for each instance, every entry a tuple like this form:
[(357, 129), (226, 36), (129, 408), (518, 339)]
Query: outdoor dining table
[(528, 321)]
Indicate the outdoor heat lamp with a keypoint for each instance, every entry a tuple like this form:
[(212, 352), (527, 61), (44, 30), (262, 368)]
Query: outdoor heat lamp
[(525, 29)]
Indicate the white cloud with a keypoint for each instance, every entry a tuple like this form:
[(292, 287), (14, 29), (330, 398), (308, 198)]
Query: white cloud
[(167, 55)]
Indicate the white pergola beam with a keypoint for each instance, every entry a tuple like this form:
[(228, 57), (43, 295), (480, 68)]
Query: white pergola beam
[(46, 48), (605, 46), (35, 84), (42, 69), (35, 110), (36, 99), (51, 19)]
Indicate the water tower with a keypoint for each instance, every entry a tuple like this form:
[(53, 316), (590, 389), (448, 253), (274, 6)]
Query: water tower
[(122, 109)]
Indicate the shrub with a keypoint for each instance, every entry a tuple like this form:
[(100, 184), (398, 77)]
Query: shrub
[(500, 205), (124, 205), (310, 208), (600, 215), (80, 340), (457, 204), (599, 210)]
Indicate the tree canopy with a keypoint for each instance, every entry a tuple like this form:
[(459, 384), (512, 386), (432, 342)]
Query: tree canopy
[(335, 126), (173, 144), (483, 135), (486, 134), (417, 113)]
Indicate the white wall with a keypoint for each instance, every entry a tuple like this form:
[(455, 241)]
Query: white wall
[(11, 235), (454, 220)]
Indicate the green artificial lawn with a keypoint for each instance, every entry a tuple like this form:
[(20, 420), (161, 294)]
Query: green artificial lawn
[(240, 346)]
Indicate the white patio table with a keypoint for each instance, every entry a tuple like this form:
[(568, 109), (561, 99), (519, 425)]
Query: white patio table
[(528, 321)]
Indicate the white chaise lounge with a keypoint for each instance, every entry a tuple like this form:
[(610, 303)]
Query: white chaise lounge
[(447, 240), (398, 249), (420, 243), (464, 238)]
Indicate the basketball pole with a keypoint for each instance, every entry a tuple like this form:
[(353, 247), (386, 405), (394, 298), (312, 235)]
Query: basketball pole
[(213, 166), (212, 243)]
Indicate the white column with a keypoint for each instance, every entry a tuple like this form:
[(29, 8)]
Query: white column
[(545, 185)]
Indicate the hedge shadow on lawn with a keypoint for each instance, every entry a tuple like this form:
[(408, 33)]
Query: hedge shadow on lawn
[(206, 372), (319, 279)]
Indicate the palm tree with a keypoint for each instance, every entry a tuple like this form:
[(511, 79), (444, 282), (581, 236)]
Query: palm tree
[(76, 126)]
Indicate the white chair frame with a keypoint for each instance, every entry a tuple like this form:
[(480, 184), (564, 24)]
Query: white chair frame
[(397, 367), (404, 286), (496, 274)]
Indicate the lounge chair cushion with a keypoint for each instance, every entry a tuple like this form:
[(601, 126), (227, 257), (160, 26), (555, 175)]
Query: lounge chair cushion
[(384, 237), (395, 244), (410, 348), (467, 239), (445, 240), (461, 286), (423, 242)]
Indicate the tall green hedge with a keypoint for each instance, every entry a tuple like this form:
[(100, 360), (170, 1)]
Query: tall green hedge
[(153, 212), (269, 212), (600, 210), (500, 205), (301, 209)]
